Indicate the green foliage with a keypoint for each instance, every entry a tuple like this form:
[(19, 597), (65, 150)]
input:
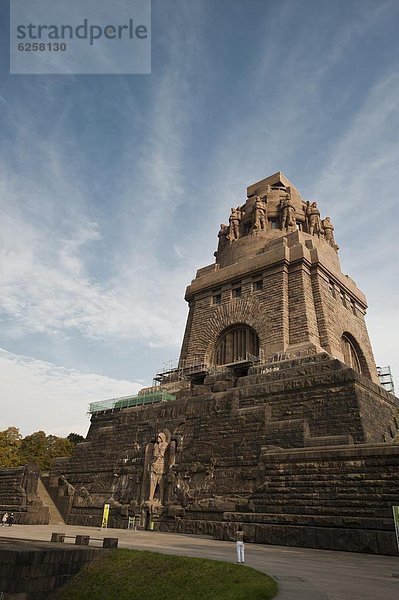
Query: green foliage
[(75, 438), (10, 441), (33, 449), (37, 448), (57, 447), (134, 575)]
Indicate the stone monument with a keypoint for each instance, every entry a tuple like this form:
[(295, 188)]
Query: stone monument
[(278, 423)]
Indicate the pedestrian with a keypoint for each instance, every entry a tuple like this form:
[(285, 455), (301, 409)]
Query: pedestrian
[(10, 520), (4, 519), (240, 547)]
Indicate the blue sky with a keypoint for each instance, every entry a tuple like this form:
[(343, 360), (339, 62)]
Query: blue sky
[(112, 188)]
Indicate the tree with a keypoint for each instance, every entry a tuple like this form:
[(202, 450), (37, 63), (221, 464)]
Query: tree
[(57, 447), (42, 449), (34, 449), (10, 442), (75, 438)]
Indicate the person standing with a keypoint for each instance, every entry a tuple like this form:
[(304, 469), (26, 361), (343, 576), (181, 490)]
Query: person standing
[(240, 547), (10, 519), (4, 519)]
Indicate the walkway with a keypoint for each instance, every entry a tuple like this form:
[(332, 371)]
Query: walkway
[(302, 574)]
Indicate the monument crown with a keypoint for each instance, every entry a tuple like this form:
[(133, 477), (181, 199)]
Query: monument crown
[(273, 208)]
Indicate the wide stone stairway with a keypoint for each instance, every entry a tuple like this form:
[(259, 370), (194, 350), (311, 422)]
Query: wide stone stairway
[(54, 515)]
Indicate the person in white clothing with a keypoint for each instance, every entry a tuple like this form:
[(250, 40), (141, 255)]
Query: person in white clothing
[(240, 546)]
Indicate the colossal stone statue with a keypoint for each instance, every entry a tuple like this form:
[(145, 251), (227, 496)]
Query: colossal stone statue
[(306, 210), (234, 227), (328, 232), (287, 214), (158, 466), (259, 215), (223, 238), (314, 220)]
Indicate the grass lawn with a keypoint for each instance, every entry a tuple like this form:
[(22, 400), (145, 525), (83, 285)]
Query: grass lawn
[(132, 574)]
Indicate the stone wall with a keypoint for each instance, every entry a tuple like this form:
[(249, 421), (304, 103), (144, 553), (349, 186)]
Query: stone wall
[(339, 499), (18, 494), (32, 570)]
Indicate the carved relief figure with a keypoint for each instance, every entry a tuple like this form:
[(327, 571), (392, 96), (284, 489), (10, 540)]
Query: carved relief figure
[(180, 488), (234, 224), (158, 466), (287, 213), (123, 487), (83, 497), (259, 215), (314, 220)]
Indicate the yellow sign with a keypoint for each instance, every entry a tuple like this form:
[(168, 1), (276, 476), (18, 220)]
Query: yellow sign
[(105, 516)]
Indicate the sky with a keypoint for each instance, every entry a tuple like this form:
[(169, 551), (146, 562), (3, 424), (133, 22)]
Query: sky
[(113, 187)]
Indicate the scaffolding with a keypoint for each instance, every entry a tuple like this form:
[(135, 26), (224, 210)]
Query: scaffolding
[(148, 397), (386, 379), (174, 370), (189, 370)]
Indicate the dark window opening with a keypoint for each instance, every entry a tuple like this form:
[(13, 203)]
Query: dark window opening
[(237, 292), (217, 299), (197, 380), (240, 372)]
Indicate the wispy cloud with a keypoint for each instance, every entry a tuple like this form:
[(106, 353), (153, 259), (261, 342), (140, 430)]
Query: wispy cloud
[(153, 179), (112, 189), (46, 288), (39, 395)]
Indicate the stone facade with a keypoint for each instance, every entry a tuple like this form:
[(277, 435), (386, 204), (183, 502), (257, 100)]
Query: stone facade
[(278, 423)]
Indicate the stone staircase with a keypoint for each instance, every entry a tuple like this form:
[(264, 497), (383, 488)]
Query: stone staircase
[(18, 494), (55, 517), (12, 495)]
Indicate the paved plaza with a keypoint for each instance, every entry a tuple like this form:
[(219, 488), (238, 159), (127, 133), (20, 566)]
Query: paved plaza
[(302, 574)]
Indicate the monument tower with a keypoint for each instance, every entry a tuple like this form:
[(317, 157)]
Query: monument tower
[(274, 417), (276, 289)]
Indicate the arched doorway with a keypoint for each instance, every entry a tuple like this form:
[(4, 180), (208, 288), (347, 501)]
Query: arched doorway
[(352, 355), (236, 343)]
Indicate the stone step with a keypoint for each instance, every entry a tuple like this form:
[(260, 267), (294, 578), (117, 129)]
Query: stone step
[(344, 509), (55, 517)]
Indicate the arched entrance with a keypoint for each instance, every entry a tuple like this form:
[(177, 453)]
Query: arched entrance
[(352, 354), (236, 343)]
